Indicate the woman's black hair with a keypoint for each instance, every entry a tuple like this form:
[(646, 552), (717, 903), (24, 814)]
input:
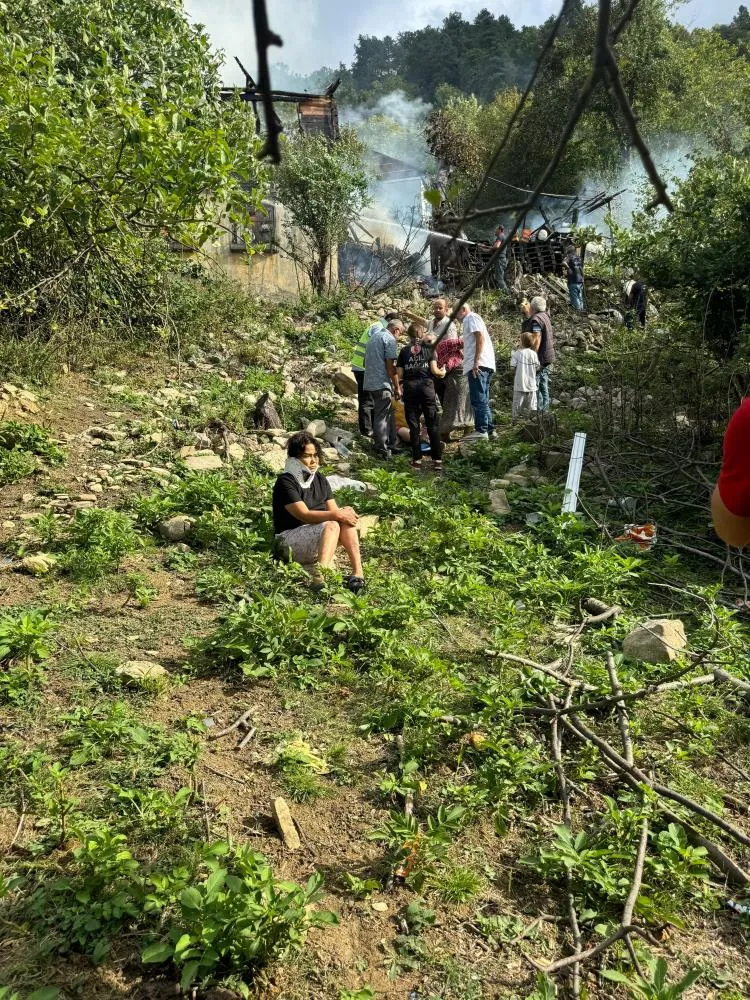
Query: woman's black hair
[(295, 447)]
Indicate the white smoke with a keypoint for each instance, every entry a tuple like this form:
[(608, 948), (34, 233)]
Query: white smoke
[(673, 156), (393, 128)]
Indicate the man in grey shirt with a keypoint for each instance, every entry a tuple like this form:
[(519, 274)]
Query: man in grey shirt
[(381, 384)]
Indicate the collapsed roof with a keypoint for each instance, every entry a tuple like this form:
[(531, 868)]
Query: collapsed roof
[(317, 114)]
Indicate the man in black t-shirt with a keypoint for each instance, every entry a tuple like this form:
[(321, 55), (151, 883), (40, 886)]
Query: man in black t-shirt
[(308, 523), (416, 367)]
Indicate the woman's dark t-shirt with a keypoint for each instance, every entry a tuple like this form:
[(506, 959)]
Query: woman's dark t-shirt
[(287, 490), (416, 365)]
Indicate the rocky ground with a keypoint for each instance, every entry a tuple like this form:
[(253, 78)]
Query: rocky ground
[(128, 636)]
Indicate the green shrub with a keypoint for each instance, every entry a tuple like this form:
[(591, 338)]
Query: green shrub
[(238, 920), (23, 636), (29, 438), (271, 635), (192, 496), (96, 541), (112, 732), (16, 465), (94, 901)]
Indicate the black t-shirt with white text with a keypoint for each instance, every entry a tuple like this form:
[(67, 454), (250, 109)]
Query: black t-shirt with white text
[(416, 364), (287, 490)]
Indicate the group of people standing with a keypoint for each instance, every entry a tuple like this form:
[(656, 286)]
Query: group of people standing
[(436, 365)]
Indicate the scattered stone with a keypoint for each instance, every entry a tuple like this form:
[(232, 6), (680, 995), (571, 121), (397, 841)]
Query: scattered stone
[(37, 565), (275, 458), (516, 479), (83, 505), (555, 460), (289, 389), (379, 905), (656, 641), (344, 381), (317, 428), (139, 670), (499, 502), (285, 824), (90, 497), (187, 450), (330, 455), (156, 437), (203, 463), (174, 529), (8, 525), (221, 993), (335, 434), (235, 452), (95, 487), (366, 524), (105, 434)]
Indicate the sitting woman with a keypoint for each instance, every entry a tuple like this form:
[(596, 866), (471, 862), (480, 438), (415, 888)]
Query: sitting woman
[(307, 521)]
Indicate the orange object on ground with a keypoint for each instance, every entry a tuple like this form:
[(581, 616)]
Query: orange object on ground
[(644, 535)]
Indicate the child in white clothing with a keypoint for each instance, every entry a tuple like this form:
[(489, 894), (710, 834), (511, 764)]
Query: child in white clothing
[(526, 364)]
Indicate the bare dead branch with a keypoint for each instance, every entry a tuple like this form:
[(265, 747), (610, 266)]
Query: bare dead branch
[(544, 668), (662, 198), (264, 39), (622, 715), (640, 778)]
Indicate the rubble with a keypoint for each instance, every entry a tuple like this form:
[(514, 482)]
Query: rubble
[(344, 381), (656, 641), (139, 670), (175, 529), (285, 824), (499, 502), (205, 462)]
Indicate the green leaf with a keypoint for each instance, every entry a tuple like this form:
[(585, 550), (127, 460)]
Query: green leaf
[(189, 973), (160, 951), (181, 946), (432, 196), (215, 883), (191, 898), (45, 993)]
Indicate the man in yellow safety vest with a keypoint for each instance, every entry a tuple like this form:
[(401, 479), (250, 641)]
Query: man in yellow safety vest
[(358, 368)]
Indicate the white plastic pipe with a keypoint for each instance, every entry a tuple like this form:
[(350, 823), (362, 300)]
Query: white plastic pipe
[(575, 467)]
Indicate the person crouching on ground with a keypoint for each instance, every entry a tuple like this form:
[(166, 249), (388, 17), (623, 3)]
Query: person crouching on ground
[(416, 368), (526, 364), (307, 521)]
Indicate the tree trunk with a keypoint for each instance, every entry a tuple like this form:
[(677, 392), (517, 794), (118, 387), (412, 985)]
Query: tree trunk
[(317, 272), (265, 414)]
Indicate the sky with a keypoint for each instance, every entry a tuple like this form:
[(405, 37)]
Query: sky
[(323, 32)]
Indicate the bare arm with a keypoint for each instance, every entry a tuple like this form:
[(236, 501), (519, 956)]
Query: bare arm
[(478, 346), (729, 527), (393, 375), (302, 512), (436, 369)]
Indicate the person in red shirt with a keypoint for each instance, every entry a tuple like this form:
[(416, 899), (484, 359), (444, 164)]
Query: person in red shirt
[(730, 503)]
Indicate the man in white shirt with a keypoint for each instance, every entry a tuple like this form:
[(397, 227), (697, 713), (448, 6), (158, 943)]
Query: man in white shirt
[(479, 367)]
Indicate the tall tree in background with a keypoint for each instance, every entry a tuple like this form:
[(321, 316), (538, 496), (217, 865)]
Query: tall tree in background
[(691, 84), (324, 186)]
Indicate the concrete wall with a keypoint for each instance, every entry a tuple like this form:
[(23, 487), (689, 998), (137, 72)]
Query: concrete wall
[(268, 274)]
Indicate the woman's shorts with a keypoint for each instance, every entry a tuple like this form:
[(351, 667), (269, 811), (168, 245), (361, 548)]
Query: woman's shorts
[(302, 544)]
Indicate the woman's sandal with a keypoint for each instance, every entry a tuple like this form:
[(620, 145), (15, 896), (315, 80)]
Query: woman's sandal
[(415, 465), (356, 584)]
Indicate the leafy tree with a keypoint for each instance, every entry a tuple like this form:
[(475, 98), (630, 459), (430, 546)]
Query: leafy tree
[(738, 31), (112, 135), (699, 255), (324, 186)]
